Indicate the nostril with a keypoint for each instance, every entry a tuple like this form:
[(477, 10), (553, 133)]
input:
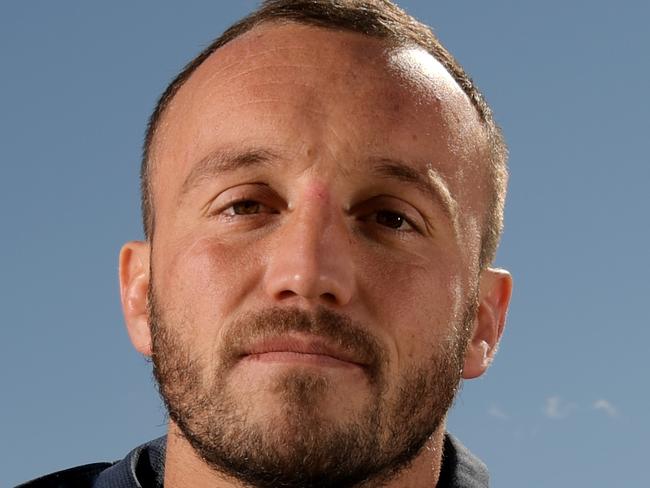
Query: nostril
[(284, 294), (329, 297)]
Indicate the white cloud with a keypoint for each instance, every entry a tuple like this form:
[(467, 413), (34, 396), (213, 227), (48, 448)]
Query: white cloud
[(496, 412), (556, 408), (606, 407)]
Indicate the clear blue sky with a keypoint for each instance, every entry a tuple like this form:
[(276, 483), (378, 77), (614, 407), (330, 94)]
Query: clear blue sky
[(567, 401)]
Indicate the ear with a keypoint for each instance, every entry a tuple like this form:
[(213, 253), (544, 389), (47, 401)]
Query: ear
[(495, 290), (134, 283)]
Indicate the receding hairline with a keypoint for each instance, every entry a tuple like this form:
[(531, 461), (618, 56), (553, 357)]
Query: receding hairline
[(389, 46), (482, 110), (245, 36)]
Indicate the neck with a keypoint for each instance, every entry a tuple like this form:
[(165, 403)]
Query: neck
[(185, 468)]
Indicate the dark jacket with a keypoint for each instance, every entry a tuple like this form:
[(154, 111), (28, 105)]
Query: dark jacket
[(144, 468)]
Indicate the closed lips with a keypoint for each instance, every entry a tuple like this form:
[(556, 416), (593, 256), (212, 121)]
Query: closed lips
[(306, 349)]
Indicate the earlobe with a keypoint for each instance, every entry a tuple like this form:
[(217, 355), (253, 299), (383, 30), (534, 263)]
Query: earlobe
[(494, 297), (134, 285)]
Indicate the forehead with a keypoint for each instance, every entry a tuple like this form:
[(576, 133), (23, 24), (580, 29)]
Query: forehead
[(321, 72)]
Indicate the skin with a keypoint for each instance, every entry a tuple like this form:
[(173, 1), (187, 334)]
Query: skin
[(330, 107)]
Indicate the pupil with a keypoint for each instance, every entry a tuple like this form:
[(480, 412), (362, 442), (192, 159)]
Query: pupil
[(246, 207), (390, 219)]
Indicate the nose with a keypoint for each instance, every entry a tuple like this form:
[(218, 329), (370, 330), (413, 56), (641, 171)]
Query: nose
[(312, 257)]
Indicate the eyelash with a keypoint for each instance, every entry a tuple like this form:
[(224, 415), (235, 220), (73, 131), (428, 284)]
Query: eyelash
[(244, 201), (231, 213), (405, 224)]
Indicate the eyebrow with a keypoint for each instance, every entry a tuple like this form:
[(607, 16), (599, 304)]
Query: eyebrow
[(224, 161), (429, 182)]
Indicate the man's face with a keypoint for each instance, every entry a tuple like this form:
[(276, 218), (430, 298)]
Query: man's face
[(318, 202)]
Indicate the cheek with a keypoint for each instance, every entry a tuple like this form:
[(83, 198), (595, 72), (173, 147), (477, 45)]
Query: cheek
[(417, 301), (202, 281)]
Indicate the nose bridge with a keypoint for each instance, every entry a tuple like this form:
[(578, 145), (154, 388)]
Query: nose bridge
[(312, 257), (316, 222)]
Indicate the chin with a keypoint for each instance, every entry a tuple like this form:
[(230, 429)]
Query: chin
[(292, 392)]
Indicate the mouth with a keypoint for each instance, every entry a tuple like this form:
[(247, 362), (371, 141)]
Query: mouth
[(306, 350)]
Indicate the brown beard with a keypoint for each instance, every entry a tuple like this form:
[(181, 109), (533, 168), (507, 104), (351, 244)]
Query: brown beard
[(305, 448)]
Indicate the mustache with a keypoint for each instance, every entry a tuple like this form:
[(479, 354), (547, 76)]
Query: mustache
[(335, 328)]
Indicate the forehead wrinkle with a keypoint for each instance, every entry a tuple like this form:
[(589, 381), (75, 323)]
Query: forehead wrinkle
[(245, 50), (234, 57), (264, 69), (276, 75), (271, 57)]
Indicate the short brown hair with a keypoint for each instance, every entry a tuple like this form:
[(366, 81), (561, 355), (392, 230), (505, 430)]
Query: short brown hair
[(375, 18)]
